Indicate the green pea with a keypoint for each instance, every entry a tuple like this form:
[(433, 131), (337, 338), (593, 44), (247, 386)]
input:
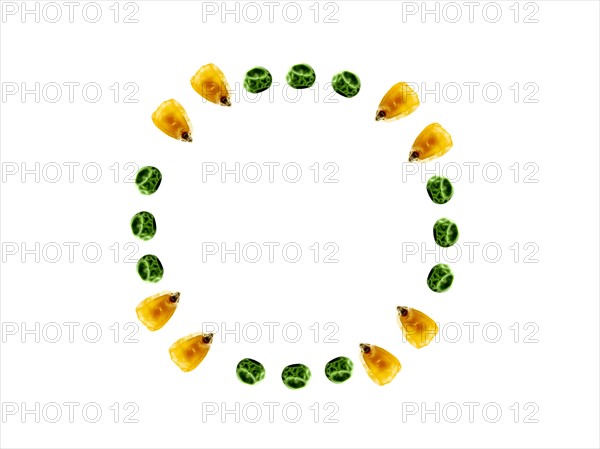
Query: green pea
[(339, 369), (257, 80), (345, 83), (250, 371), (440, 278), (301, 76), (439, 189), (445, 232), (143, 225), (295, 376), (148, 180), (150, 269)]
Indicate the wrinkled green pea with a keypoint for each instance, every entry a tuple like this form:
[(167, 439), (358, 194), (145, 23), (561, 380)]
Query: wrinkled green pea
[(143, 225), (339, 369), (250, 371), (257, 80), (440, 278), (439, 189), (148, 180), (345, 83), (295, 376), (149, 268), (301, 76), (445, 232)]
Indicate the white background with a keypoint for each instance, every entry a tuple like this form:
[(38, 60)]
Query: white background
[(370, 213)]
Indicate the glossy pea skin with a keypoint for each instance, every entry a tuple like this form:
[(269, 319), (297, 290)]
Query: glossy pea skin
[(445, 232), (143, 225), (301, 76), (257, 80), (440, 189), (295, 376), (440, 278), (345, 83), (250, 371), (148, 180), (150, 269), (339, 370)]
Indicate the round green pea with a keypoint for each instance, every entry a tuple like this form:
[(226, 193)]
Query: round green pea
[(150, 269), (339, 369), (301, 76), (439, 189), (250, 371), (148, 180), (440, 278), (295, 376), (143, 225), (345, 83), (257, 80), (445, 232)]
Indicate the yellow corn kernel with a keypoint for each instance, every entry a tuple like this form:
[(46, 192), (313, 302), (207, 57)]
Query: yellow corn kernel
[(433, 142), (171, 119), (188, 352), (210, 82), (380, 365), (400, 101), (418, 329), (156, 310)]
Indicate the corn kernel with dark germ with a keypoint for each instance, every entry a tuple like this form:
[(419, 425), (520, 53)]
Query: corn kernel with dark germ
[(418, 329), (381, 365), (156, 310), (401, 100), (210, 82), (433, 142), (188, 352), (172, 119)]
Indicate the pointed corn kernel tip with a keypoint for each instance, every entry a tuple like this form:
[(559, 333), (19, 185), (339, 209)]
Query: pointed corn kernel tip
[(380, 116), (413, 156), (402, 310)]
